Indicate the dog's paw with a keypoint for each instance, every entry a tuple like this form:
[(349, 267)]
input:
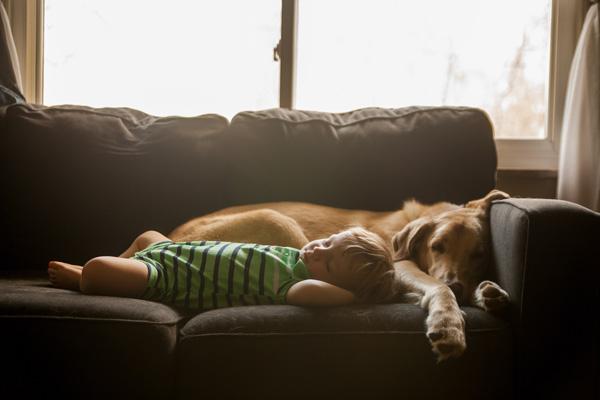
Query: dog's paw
[(446, 328), (490, 297), (446, 333)]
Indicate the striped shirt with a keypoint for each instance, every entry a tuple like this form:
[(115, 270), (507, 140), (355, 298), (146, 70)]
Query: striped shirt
[(205, 275)]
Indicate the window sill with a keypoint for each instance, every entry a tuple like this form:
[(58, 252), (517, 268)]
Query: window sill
[(528, 173), (540, 183)]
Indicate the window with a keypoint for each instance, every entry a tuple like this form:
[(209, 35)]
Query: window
[(435, 52), (510, 58), (187, 58)]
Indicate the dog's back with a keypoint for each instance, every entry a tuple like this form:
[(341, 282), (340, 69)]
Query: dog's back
[(313, 220)]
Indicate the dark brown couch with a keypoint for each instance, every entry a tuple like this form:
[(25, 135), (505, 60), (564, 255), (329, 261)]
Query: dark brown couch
[(79, 182)]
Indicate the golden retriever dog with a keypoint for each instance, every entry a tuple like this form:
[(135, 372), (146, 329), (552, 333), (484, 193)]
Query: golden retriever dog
[(441, 251)]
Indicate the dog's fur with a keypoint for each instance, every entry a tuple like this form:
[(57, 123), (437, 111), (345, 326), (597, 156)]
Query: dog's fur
[(441, 250)]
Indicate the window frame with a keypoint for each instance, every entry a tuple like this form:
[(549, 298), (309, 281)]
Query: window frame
[(543, 154), (27, 21)]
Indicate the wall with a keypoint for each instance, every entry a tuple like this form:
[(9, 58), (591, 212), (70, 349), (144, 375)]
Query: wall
[(537, 184)]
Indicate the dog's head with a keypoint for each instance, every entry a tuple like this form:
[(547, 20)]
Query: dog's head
[(453, 246)]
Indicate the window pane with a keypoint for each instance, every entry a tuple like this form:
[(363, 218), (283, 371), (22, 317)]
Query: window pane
[(484, 53), (176, 57)]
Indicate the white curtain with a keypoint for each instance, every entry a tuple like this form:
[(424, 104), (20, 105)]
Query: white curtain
[(10, 75), (579, 171)]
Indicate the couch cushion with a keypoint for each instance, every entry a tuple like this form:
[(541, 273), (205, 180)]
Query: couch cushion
[(79, 182), (55, 337), (29, 293), (369, 351), (372, 158)]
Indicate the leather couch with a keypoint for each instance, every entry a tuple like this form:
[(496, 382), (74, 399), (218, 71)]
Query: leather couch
[(78, 182)]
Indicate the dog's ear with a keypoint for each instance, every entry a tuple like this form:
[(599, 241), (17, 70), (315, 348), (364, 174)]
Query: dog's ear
[(485, 202), (407, 240)]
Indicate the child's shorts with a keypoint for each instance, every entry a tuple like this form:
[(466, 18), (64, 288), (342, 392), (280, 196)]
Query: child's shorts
[(158, 274)]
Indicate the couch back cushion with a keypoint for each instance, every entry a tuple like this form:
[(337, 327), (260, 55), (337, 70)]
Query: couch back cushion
[(371, 158), (80, 182)]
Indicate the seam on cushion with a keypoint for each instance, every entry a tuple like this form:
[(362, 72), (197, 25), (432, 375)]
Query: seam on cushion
[(510, 203), (525, 258), (525, 255), (143, 121), (316, 333), (103, 114), (56, 317), (534, 211), (367, 119)]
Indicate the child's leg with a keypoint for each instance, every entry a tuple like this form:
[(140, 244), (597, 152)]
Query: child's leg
[(142, 241), (114, 276)]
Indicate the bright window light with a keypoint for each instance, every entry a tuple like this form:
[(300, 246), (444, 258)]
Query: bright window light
[(483, 53), (176, 57)]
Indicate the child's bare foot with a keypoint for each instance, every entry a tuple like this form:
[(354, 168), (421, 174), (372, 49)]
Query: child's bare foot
[(64, 275)]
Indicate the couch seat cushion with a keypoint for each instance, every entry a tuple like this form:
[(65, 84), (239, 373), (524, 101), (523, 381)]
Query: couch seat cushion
[(104, 343), (364, 350), (29, 294)]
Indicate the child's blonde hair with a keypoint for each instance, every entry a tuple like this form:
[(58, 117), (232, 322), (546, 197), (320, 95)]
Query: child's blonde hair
[(373, 272)]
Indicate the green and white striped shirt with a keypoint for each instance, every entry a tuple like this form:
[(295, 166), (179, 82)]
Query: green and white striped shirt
[(205, 275)]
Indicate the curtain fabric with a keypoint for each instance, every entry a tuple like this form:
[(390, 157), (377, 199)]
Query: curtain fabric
[(579, 171), (10, 75)]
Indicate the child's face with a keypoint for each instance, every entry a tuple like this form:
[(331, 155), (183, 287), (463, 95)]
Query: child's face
[(326, 261)]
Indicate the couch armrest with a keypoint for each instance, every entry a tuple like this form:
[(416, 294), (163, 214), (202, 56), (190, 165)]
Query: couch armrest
[(546, 256)]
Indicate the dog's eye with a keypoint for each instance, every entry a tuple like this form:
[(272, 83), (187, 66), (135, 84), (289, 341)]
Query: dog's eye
[(438, 247)]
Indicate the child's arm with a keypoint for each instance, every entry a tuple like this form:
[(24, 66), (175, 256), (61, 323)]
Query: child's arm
[(312, 292)]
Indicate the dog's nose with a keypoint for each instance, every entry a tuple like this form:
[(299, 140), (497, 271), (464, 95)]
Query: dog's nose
[(457, 288)]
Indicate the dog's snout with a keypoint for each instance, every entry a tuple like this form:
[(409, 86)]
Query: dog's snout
[(458, 289)]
